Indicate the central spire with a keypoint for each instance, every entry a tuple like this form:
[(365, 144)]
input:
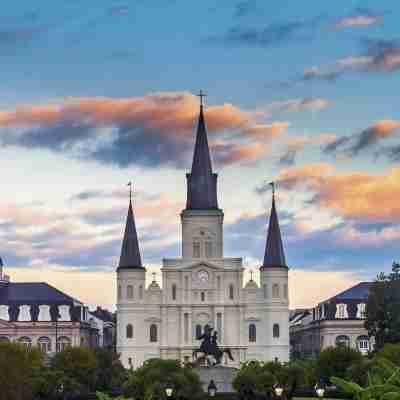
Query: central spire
[(201, 182)]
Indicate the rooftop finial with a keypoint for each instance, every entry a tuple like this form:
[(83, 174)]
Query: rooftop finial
[(201, 95), (130, 191)]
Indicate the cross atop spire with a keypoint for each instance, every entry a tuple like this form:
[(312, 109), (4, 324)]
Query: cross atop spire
[(274, 255), (130, 191), (201, 95)]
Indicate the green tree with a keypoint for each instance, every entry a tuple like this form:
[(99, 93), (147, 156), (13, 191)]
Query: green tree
[(383, 308), (390, 352), (110, 372), (334, 361), (77, 368), (148, 381), (20, 368)]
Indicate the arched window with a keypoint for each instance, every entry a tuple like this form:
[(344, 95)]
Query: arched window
[(363, 343), (62, 343), (129, 292), (198, 331), (4, 339), (202, 296), (231, 289), (209, 249), (265, 290), (218, 282), (129, 331), (275, 291), (44, 344), (153, 333), (343, 340), (285, 291), (140, 292), (252, 333), (119, 293), (26, 341), (174, 292), (275, 331), (196, 250)]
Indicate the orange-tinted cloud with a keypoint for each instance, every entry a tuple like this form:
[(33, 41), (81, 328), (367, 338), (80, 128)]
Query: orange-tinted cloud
[(355, 195)]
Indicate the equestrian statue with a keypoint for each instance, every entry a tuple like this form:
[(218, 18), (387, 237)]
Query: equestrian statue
[(209, 348)]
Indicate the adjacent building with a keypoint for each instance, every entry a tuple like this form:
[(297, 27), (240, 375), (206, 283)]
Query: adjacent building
[(338, 320), (38, 314), (202, 287)]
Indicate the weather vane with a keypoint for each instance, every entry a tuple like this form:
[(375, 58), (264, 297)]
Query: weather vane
[(130, 190), (201, 95)]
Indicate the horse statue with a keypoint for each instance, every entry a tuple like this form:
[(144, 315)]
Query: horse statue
[(209, 349)]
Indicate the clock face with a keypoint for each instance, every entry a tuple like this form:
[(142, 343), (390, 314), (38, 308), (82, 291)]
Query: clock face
[(202, 275)]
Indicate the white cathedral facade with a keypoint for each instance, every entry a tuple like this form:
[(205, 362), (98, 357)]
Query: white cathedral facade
[(202, 288)]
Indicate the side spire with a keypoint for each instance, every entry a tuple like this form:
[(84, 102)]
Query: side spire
[(201, 182), (274, 255), (130, 252)]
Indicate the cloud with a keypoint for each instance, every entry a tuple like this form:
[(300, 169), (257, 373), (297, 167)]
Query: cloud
[(356, 196), (270, 35), (360, 19), (156, 129), (313, 104), (369, 137)]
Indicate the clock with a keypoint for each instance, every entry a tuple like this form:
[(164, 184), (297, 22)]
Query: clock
[(203, 276)]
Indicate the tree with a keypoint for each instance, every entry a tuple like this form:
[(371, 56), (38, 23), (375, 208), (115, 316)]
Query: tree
[(78, 369), (110, 372), (383, 308), (334, 361), (390, 352), (20, 368), (148, 382)]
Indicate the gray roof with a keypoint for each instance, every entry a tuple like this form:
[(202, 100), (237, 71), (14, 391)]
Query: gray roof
[(274, 255), (356, 292), (130, 252), (28, 293), (202, 182)]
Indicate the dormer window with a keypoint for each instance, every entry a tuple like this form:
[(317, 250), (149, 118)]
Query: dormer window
[(341, 311), (361, 311), (196, 249)]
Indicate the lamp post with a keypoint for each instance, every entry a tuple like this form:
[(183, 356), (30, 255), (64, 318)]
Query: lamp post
[(169, 390), (320, 389), (212, 388)]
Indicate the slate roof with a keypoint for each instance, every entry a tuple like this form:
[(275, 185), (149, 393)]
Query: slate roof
[(33, 293), (274, 255), (130, 252), (202, 182), (357, 292)]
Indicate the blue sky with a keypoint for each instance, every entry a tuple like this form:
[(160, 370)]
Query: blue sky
[(95, 95)]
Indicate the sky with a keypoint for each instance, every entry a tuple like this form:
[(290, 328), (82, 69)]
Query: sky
[(96, 94)]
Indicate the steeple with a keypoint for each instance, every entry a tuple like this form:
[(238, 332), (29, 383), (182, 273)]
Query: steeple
[(130, 252), (274, 255), (201, 182)]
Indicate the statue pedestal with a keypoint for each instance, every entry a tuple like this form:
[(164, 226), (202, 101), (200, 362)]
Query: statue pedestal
[(222, 376)]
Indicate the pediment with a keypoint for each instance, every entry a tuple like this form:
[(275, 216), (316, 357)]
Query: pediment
[(201, 264)]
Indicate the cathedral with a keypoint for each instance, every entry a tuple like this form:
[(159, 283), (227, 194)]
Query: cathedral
[(202, 289)]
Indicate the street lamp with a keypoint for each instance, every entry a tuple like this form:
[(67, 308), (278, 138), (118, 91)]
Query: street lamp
[(169, 389), (212, 388), (278, 389), (320, 390)]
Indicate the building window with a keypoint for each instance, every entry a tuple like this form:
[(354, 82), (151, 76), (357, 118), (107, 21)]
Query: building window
[(252, 333), (174, 292), (26, 341), (275, 291), (231, 290), (341, 311), (363, 344), (129, 292), (218, 282), (275, 331), (219, 325), (361, 310), (265, 290), (119, 293), (202, 296), (209, 252), (4, 339), (285, 291), (63, 343), (343, 340), (198, 331), (186, 326), (196, 250), (140, 292), (153, 333), (129, 331), (44, 344)]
